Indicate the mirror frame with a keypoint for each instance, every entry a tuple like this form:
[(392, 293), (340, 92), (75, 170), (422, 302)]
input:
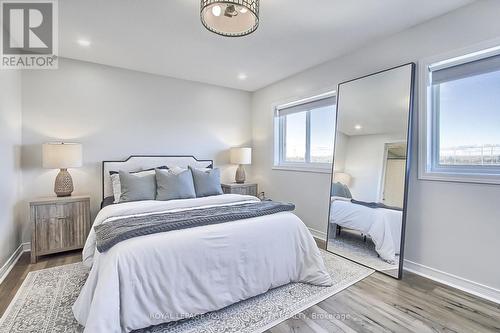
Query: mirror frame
[(409, 153)]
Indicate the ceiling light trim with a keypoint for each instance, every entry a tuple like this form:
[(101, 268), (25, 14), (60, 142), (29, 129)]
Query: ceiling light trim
[(251, 5)]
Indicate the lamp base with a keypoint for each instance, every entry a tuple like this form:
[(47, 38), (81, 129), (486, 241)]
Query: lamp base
[(240, 175), (63, 187)]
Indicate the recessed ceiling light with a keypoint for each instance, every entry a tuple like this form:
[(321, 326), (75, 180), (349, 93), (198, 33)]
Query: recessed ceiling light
[(242, 76), (83, 42), (358, 127)]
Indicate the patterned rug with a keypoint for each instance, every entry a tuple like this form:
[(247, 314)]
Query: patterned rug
[(352, 246), (43, 303)]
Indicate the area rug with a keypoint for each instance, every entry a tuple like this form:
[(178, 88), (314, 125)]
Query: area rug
[(43, 303), (352, 246)]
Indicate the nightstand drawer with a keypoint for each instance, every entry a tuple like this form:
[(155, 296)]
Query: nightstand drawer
[(59, 226), (246, 189), (54, 211)]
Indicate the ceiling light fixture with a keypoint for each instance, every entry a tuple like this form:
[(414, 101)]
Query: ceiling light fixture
[(358, 127), (216, 10), (230, 18), (242, 76), (84, 42)]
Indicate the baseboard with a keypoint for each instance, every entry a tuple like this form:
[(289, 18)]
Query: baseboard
[(468, 286), (318, 234), (26, 247), (7, 267)]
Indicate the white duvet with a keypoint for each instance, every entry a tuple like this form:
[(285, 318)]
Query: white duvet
[(382, 225), (169, 276)]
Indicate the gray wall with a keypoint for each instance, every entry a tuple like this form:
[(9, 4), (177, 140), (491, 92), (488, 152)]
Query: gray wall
[(115, 113), (10, 142), (452, 227)]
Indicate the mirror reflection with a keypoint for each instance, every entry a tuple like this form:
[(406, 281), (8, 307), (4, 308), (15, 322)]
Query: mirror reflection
[(368, 190)]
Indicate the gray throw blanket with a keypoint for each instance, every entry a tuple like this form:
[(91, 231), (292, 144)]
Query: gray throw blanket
[(375, 205), (111, 233)]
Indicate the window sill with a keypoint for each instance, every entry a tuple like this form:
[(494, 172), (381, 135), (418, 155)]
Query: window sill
[(460, 177), (302, 169)]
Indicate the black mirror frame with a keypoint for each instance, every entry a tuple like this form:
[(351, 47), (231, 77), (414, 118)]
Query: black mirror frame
[(409, 153)]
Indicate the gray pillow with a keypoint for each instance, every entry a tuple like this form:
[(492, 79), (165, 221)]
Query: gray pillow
[(340, 190), (136, 188), (206, 182), (170, 186), (347, 192)]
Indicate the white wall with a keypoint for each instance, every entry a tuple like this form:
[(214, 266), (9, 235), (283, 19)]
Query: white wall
[(451, 227), (364, 161), (341, 141), (115, 113), (10, 142)]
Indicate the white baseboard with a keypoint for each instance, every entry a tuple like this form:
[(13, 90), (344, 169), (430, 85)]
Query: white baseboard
[(318, 234), (7, 267), (26, 247), (471, 287)]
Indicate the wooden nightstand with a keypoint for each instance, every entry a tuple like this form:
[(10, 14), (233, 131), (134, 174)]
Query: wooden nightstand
[(59, 224), (235, 188)]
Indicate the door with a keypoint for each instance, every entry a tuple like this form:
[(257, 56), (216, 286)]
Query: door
[(394, 185)]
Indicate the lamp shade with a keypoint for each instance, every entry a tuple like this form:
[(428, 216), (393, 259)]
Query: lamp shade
[(61, 155), (343, 178), (241, 155)]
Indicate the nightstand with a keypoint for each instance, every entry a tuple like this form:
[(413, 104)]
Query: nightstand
[(59, 224), (245, 188)]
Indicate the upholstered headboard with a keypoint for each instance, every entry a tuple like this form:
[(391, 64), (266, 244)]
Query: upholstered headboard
[(144, 162)]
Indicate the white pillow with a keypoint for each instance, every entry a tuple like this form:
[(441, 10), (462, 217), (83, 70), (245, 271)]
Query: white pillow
[(177, 170), (117, 187)]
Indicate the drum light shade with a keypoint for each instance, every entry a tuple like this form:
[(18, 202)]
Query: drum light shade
[(61, 155), (230, 18)]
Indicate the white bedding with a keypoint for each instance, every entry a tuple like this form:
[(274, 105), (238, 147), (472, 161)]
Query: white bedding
[(382, 225), (168, 276)]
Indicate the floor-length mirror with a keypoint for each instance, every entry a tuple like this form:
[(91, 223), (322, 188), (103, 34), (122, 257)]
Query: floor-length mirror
[(369, 182)]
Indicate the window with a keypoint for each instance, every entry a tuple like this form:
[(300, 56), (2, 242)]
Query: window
[(304, 133), (463, 118)]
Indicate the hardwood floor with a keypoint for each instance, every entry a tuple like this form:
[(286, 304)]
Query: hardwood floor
[(13, 281), (375, 304)]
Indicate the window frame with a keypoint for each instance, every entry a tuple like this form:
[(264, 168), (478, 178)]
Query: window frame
[(280, 162), (428, 147)]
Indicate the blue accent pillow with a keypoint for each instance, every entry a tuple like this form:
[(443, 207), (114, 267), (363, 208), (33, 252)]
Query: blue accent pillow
[(340, 190), (206, 182), (137, 188), (171, 186)]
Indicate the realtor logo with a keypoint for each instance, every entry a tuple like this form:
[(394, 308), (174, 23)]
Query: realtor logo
[(29, 34)]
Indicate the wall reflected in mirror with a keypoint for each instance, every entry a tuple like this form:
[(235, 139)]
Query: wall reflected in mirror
[(369, 182)]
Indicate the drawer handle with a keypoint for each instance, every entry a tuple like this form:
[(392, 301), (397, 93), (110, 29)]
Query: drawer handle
[(62, 217)]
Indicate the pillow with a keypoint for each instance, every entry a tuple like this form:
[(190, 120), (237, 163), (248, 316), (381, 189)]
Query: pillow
[(137, 187), (347, 192), (176, 169), (206, 182), (340, 190), (171, 185), (115, 180)]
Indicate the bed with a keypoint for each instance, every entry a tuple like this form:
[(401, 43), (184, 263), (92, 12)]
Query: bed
[(382, 225), (168, 276)]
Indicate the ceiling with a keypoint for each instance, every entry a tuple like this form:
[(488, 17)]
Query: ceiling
[(376, 104), (166, 37)]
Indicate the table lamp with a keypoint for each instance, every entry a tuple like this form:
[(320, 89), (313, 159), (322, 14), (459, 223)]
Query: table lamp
[(241, 156), (62, 155)]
